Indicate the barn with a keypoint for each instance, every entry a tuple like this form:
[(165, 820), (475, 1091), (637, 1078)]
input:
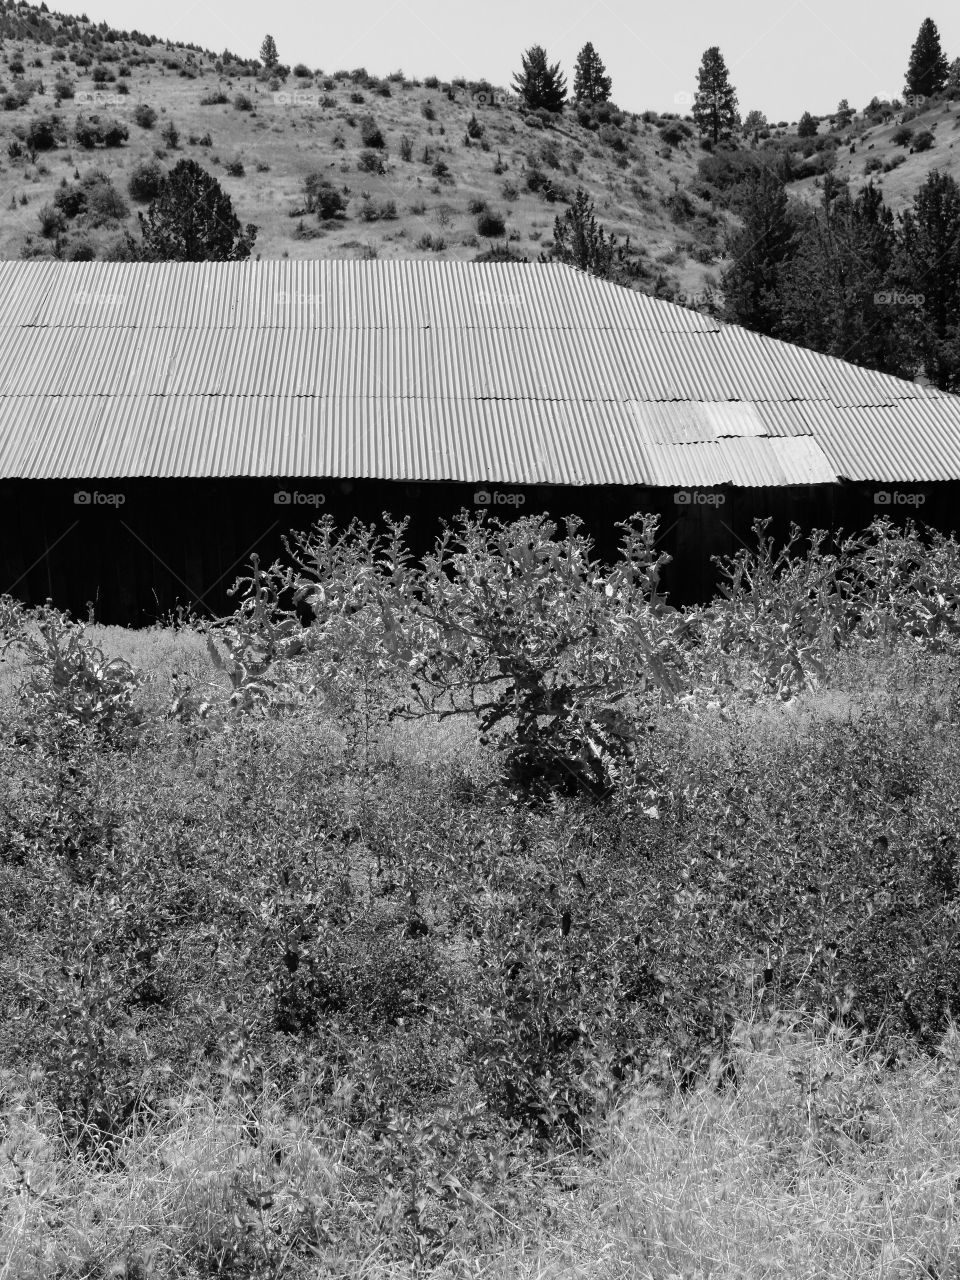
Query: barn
[(161, 422)]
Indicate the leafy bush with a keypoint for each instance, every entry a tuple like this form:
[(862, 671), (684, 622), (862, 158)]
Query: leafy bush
[(235, 168), (144, 115), (216, 98), (243, 102), (322, 198), (145, 181), (370, 133), (924, 140), (491, 224), (170, 135)]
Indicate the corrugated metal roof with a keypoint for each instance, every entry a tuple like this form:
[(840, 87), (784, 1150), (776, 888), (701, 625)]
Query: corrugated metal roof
[(499, 372)]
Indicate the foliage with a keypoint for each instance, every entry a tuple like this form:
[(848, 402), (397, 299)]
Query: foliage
[(192, 220), (928, 67), (539, 84), (715, 103), (580, 241), (591, 82), (808, 126)]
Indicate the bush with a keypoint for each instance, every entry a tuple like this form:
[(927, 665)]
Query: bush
[(235, 168), (144, 115), (52, 221), (114, 133), (406, 149), (170, 135), (370, 133), (105, 204), (63, 90), (216, 98), (431, 244), (923, 141), (357, 98), (302, 71), (901, 136), (491, 225), (44, 133), (145, 181), (428, 111), (370, 162), (243, 102), (322, 198), (441, 171)]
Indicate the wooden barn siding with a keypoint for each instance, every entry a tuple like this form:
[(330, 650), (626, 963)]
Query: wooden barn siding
[(186, 541)]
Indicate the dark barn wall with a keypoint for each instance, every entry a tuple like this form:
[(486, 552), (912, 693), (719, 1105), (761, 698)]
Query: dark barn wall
[(137, 548)]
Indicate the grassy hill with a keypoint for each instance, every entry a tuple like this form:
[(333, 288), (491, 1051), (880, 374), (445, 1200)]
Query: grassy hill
[(437, 156)]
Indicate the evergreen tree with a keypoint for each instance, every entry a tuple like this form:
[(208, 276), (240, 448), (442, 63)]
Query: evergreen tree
[(192, 220), (580, 241), (715, 103), (538, 84), (268, 52), (928, 271), (953, 78), (759, 253), (833, 291), (807, 128), (755, 122), (591, 82), (844, 114), (927, 72)]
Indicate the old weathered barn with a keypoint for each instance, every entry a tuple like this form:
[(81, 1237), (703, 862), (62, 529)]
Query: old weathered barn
[(160, 422)]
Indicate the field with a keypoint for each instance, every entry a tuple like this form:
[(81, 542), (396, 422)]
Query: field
[(646, 967)]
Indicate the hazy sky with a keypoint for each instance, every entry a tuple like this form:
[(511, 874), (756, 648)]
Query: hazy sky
[(784, 57)]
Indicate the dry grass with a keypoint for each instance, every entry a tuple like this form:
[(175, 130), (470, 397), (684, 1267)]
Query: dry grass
[(820, 1162)]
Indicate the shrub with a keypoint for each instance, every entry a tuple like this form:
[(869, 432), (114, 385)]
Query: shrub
[(370, 162), (44, 133), (357, 98), (243, 102), (491, 225), (322, 198), (235, 168), (145, 181), (63, 90), (52, 221), (428, 111), (406, 148), (105, 204), (510, 191), (924, 140), (474, 128), (901, 136), (441, 171), (144, 115), (114, 133), (215, 98), (431, 244), (371, 133), (302, 71), (170, 135), (873, 165)]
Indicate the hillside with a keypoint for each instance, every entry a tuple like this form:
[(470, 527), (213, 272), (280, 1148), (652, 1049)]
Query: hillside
[(415, 190)]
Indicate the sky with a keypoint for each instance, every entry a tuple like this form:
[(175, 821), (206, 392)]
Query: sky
[(784, 57)]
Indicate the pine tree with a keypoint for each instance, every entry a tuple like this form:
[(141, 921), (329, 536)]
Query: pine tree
[(807, 128), (591, 82), (192, 220), (580, 241), (759, 253), (715, 103), (929, 271), (928, 69), (268, 52), (844, 114), (539, 84)]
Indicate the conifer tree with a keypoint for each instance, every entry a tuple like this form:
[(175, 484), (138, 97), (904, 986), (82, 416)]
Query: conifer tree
[(928, 69), (539, 84), (192, 220), (268, 52), (715, 103), (591, 82)]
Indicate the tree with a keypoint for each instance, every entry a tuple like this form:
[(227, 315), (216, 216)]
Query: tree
[(715, 103), (591, 82), (759, 253), (580, 241), (192, 220), (953, 78), (268, 52), (755, 122), (928, 274), (539, 84), (844, 114), (834, 289), (928, 68), (807, 128)]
